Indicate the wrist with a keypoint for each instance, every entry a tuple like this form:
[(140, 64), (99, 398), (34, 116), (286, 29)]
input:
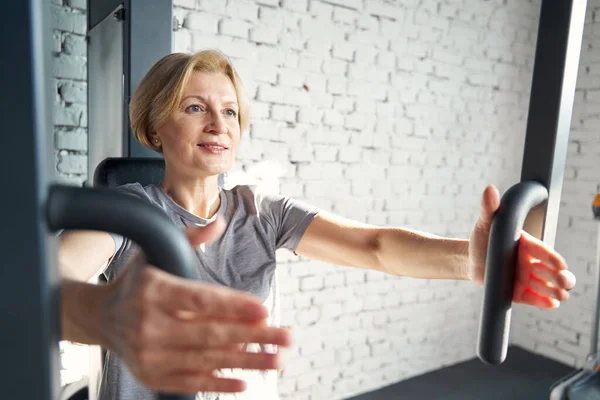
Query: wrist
[(81, 308), (465, 269)]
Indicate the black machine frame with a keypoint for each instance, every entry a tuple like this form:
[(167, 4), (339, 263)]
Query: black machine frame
[(555, 70), (29, 298), (29, 295), (147, 27)]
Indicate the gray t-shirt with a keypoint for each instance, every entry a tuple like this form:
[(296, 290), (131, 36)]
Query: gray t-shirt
[(242, 258)]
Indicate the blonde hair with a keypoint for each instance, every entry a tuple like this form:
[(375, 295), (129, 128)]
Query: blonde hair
[(161, 90)]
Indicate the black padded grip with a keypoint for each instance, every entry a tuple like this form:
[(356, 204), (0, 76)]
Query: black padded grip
[(494, 326), (113, 172), (164, 244)]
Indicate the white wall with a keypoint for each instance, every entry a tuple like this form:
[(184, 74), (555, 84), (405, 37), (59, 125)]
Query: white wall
[(70, 113), (564, 334), (394, 114)]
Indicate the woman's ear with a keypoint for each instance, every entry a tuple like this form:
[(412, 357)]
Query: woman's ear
[(154, 139)]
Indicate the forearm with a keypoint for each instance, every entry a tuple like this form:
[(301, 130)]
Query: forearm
[(404, 252), (81, 304)]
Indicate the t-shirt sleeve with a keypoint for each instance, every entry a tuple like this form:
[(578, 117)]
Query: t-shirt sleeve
[(288, 217)]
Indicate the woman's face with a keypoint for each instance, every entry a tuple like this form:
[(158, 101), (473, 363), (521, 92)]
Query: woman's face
[(201, 137)]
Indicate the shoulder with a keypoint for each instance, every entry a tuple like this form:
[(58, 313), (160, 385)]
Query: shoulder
[(268, 204)]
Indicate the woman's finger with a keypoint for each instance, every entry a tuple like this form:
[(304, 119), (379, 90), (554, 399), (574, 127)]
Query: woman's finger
[(216, 334), (542, 288), (563, 279), (196, 382), (534, 248), (529, 297), (206, 234), (198, 361)]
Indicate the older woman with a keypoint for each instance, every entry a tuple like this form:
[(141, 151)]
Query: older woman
[(193, 109)]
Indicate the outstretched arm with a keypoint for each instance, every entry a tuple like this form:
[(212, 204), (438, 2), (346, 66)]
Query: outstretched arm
[(396, 251), (542, 278)]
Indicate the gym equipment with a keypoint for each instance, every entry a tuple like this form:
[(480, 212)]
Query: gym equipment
[(584, 383), (165, 245), (35, 209), (125, 38), (113, 172), (533, 203)]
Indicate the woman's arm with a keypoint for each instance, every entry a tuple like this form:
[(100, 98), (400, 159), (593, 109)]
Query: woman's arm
[(397, 251), (81, 306), (84, 254), (541, 275), (161, 325)]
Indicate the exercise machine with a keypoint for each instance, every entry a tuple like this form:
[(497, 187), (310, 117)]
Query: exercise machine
[(533, 203), (36, 207)]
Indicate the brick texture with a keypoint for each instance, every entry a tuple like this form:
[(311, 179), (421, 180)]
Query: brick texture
[(70, 90)]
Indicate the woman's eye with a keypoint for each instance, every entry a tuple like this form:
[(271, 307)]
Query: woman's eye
[(194, 108), (231, 113)]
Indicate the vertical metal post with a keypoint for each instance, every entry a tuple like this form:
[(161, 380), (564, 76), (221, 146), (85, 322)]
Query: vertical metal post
[(148, 32), (105, 86), (29, 307), (550, 107), (125, 38), (558, 48)]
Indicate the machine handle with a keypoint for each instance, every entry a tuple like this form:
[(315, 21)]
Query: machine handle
[(165, 246), (507, 224)]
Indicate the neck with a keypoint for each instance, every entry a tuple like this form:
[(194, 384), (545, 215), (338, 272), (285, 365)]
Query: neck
[(198, 195)]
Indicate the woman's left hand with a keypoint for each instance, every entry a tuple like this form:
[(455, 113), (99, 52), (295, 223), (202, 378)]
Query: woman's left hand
[(542, 279)]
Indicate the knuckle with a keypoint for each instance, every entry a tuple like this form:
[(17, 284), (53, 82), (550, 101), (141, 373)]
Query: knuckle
[(199, 303)]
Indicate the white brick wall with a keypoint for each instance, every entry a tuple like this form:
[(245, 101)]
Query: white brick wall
[(70, 90), (393, 113), (564, 334)]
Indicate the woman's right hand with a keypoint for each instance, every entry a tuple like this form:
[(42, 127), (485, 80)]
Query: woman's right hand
[(172, 333)]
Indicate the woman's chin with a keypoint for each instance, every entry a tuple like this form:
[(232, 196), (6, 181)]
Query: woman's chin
[(213, 170)]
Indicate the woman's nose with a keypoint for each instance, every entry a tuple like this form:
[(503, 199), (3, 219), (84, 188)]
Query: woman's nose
[(217, 124)]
